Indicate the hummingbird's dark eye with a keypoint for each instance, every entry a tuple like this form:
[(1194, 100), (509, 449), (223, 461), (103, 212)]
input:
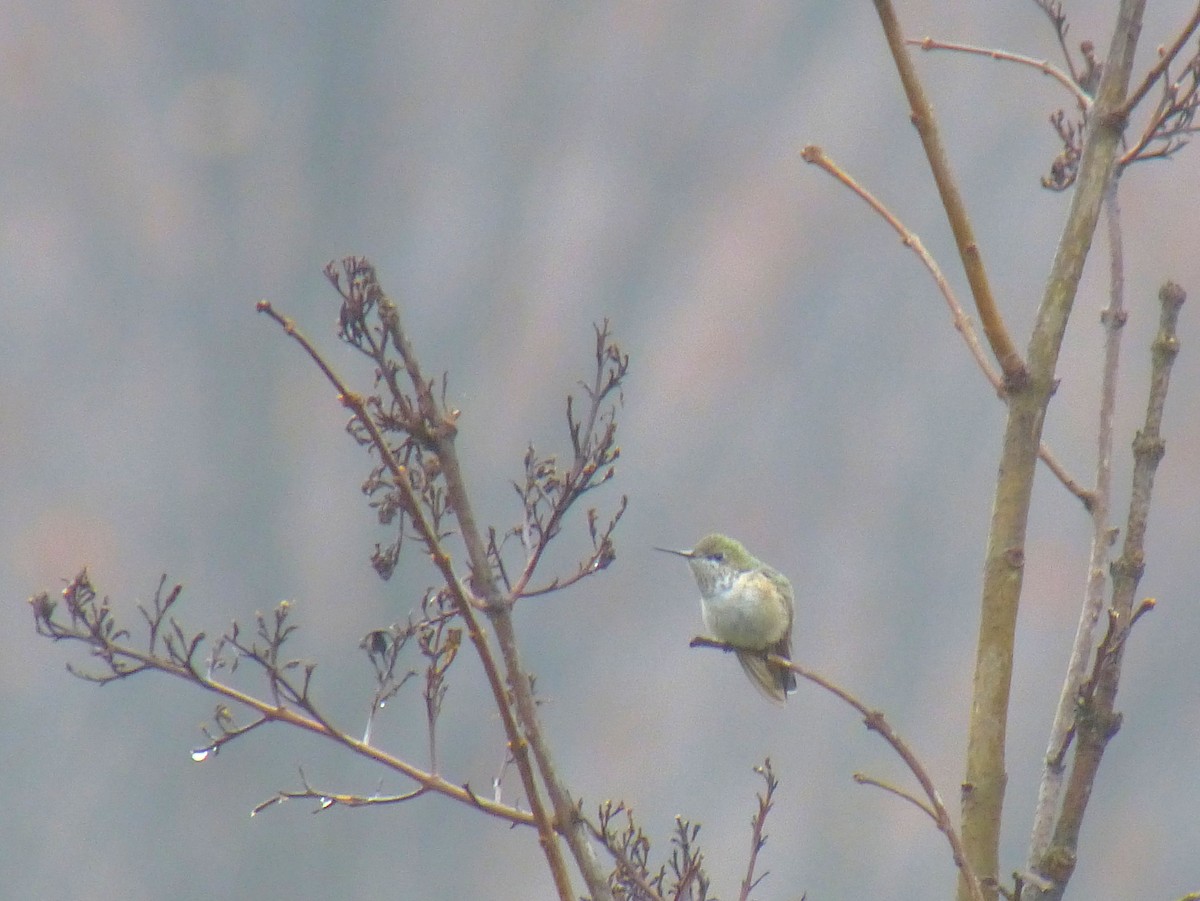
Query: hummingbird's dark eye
[(717, 557)]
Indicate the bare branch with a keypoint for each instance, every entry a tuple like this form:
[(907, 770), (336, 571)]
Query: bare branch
[(327, 799), (90, 621), (864, 779), (1171, 123), (1065, 167), (549, 491), (620, 835), (1159, 70), (962, 322), (1044, 66), (1096, 718), (422, 419), (687, 863), (994, 327), (876, 722), (432, 426), (1063, 728), (985, 779), (1058, 20), (758, 835)]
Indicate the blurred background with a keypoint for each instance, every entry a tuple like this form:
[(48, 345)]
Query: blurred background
[(518, 172)]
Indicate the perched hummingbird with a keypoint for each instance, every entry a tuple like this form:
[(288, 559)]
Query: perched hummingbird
[(748, 605)]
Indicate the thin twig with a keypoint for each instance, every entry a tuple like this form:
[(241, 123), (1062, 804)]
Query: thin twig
[(1062, 729), (634, 872), (1160, 68), (567, 820), (962, 322), (1172, 118), (1041, 65), (994, 327), (1097, 720), (326, 800), (116, 651), (758, 836), (864, 779), (1058, 19), (876, 722), (356, 269), (985, 779)]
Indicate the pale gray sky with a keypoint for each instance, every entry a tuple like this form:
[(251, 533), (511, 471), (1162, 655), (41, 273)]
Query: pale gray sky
[(516, 172)]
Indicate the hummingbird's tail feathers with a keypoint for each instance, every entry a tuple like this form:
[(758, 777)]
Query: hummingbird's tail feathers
[(784, 649), (772, 682), (789, 681)]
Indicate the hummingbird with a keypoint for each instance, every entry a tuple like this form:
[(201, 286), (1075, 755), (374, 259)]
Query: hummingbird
[(746, 604)]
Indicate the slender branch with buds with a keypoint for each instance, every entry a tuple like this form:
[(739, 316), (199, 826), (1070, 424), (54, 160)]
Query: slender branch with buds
[(962, 322), (87, 618), (1113, 319), (1096, 720), (921, 111), (417, 487), (1044, 66), (876, 722)]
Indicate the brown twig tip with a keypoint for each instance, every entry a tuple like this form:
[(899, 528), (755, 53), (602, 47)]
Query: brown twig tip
[(1172, 296), (1146, 606), (263, 306), (864, 779)]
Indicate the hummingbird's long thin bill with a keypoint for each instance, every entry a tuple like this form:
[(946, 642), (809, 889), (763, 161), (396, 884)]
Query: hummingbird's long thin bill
[(671, 550)]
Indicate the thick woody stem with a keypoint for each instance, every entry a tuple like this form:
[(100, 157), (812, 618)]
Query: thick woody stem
[(985, 779)]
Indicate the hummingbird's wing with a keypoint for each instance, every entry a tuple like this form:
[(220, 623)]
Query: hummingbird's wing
[(770, 681), (785, 679)]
